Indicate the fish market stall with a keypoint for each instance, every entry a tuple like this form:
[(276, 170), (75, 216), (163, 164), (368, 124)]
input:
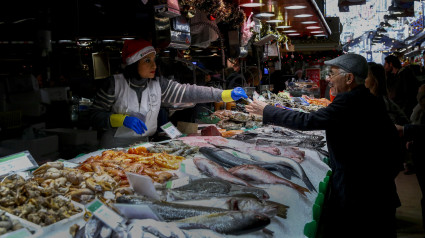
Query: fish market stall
[(263, 182)]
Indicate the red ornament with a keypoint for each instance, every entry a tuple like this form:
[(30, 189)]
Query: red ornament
[(212, 17)]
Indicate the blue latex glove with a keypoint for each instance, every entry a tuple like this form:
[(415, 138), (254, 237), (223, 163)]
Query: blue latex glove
[(238, 93), (135, 124)]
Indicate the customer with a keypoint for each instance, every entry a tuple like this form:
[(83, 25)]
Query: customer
[(402, 84), (415, 135), (376, 83), (126, 107), (364, 151)]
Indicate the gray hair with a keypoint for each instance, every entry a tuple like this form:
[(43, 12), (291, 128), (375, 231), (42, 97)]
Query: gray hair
[(357, 79)]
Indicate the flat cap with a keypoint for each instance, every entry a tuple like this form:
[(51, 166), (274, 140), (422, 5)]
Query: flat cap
[(352, 63)]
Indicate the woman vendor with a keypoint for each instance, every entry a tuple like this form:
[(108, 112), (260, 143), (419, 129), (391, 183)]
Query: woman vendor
[(126, 107)]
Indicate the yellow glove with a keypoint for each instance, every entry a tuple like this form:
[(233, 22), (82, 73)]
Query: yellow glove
[(117, 120), (226, 96)]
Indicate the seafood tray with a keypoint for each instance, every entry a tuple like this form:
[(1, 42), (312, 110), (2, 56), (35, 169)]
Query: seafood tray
[(42, 231)]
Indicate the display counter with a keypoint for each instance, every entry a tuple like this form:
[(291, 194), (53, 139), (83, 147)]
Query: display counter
[(303, 209)]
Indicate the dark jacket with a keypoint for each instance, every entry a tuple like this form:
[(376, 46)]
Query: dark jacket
[(364, 150), (402, 89)]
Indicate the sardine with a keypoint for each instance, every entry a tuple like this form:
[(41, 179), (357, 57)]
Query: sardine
[(231, 222), (169, 211), (212, 169), (255, 173)]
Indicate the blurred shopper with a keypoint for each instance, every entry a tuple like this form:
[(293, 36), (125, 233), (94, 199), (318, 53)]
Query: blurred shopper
[(402, 84), (414, 134), (376, 83), (364, 149)]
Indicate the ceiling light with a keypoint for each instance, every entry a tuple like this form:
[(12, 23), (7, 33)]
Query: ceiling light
[(252, 4), (308, 22), (303, 15), (295, 7), (294, 34), (128, 38), (289, 31), (314, 32), (283, 27), (108, 40), (319, 35), (264, 14), (84, 38), (274, 21), (313, 27)]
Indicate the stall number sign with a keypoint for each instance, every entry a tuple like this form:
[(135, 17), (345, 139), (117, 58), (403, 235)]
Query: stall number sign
[(171, 130), (314, 75), (16, 162)]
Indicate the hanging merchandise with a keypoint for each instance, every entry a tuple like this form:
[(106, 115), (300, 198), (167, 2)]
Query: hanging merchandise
[(168, 8)]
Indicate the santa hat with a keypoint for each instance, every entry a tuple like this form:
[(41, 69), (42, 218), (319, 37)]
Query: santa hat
[(134, 50)]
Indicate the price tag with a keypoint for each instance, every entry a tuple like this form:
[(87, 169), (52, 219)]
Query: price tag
[(17, 162), (177, 183), (171, 130), (136, 211), (105, 214), (142, 185)]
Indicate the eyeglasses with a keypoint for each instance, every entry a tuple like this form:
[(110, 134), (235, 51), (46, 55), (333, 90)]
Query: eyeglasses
[(330, 75)]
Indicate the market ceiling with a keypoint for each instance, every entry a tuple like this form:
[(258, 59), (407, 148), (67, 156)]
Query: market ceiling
[(296, 18)]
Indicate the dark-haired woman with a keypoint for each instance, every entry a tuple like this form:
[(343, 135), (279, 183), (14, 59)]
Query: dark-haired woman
[(126, 107)]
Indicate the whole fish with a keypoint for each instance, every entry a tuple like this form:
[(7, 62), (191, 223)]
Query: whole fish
[(237, 203), (311, 144), (169, 211), (275, 161), (228, 160), (231, 222), (252, 172), (206, 188), (296, 134), (213, 169), (285, 166)]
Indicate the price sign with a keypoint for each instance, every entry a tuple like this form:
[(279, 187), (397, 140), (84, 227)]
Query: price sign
[(17, 162), (105, 214), (171, 130)]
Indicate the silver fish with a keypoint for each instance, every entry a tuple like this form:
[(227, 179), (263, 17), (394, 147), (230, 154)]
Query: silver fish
[(205, 188), (231, 222), (252, 172), (169, 211), (212, 169)]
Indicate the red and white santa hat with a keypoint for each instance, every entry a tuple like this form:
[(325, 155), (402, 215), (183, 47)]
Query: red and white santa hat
[(134, 50)]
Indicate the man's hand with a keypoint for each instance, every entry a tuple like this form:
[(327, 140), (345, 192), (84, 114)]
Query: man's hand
[(256, 107)]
